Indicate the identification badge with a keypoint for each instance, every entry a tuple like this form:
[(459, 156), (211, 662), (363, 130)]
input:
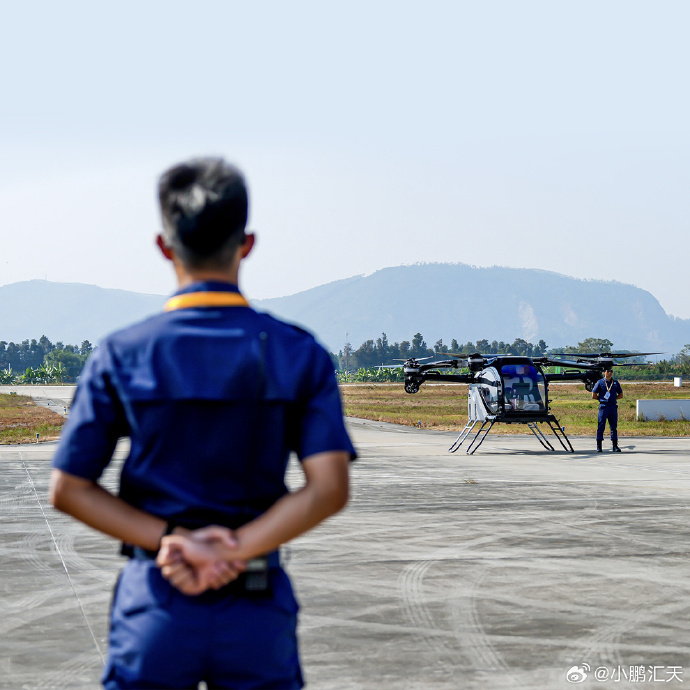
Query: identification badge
[(607, 396)]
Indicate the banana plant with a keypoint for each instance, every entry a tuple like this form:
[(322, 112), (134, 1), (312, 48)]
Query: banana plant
[(50, 373), (6, 376), (371, 375), (31, 376), (56, 372)]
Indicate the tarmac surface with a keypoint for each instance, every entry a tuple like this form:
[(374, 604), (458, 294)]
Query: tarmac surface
[(504, 569)]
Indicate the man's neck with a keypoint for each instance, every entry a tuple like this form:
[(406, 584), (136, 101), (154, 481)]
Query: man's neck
[(186, 276)]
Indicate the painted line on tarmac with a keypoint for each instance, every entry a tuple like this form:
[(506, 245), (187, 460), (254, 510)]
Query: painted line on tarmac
[(62, 560)]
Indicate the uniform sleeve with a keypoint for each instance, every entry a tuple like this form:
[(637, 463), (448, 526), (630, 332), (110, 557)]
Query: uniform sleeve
[(95, 423), (321, 427)]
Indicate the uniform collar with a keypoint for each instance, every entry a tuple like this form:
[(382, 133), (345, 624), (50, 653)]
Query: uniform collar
[(206, 294)]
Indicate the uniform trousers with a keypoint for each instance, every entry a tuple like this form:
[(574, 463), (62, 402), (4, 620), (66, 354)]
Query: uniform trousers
[(161, 638), (608, 413)]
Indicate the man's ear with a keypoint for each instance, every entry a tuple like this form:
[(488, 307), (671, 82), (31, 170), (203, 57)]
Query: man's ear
[(248, 244), (166, 251)]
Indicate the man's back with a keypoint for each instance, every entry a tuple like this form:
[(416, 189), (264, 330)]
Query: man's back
[(214, 400)]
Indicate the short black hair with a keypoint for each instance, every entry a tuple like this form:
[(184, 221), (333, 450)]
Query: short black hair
[(204, 205)]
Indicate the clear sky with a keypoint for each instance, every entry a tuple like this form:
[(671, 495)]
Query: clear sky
[(551, 135)]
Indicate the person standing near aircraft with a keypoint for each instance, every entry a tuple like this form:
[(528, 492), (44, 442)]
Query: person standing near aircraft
[(214, 397), (608, 391)]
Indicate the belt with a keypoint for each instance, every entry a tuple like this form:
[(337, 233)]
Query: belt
[(254, 582), (138, 554)]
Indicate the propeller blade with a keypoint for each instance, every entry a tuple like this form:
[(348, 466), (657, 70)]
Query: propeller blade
[(587, 355), (416, 359), (612, 355), (623, 355), (568, 363), (633, 364)]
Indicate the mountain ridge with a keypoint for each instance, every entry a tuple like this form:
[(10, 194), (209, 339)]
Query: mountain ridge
[(446, 301), (439, 300), (32, 308)]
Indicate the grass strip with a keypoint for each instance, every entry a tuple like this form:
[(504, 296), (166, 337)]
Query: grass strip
[(21, 419), (444, 407)]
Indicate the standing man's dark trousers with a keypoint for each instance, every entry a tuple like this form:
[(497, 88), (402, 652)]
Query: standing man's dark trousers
[(608, 413)]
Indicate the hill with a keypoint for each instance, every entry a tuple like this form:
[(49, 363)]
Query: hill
[(441, 301), (446, 301), (69, 312)]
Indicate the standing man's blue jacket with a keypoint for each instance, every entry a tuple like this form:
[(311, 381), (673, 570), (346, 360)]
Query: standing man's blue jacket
[(214, 400)]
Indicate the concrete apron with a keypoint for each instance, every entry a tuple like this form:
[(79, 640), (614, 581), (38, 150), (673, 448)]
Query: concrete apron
[(505, 569)]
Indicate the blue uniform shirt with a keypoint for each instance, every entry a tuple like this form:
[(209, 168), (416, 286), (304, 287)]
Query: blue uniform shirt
[(214, 399), (601, 387)]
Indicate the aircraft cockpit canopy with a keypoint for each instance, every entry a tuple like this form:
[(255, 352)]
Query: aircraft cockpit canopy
[(524, 388)]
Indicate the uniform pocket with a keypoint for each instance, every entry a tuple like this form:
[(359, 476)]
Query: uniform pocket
[(283, 595), (142, 587)]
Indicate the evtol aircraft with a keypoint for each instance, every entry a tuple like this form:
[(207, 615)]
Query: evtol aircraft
[(511, 389)]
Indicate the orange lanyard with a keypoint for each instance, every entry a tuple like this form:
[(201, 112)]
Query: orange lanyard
[(205, 299)]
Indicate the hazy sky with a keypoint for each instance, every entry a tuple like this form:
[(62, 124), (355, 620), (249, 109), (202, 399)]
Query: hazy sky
[(549, 135)]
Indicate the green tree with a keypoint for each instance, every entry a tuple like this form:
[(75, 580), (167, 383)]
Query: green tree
[(595, 345), (45, 345), (346, 358), (520, 347), (683, 357), (70, 362), (365, 356), (483, 346), (383, 349), (419, 347)]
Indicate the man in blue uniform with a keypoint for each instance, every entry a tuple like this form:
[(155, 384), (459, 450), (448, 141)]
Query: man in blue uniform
[(214, 397), (608, 391)]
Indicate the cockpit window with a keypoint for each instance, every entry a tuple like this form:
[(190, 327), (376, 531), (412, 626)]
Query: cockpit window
[(488, 387), (523, 388)]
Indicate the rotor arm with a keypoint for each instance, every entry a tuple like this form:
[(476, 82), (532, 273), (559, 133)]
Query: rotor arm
[(450, 378), (589, 378), (416, 374), (443, 364)]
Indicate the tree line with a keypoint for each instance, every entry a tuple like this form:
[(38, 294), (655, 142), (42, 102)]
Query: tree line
[(363, 363), (41, 361), (374, 353)]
